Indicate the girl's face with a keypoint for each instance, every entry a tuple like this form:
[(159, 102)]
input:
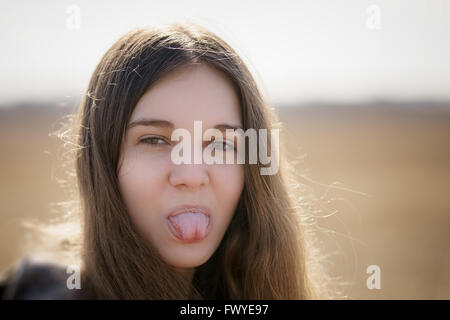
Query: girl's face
[(154, 188)]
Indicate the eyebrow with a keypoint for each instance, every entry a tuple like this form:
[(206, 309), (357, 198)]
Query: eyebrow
[(170, 125), (150, 122), (224, 126)]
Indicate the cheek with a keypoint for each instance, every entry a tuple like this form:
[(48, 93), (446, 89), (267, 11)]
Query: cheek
[(229, 183), (141, 179)]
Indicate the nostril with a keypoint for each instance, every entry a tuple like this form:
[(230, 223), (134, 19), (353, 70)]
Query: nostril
[(189, 176)]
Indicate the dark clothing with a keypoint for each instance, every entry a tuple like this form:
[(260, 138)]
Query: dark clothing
[(36, 280)]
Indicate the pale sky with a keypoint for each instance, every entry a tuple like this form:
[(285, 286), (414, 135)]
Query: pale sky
[(299, 51)]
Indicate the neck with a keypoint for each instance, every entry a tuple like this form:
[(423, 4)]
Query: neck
[(187, 273)]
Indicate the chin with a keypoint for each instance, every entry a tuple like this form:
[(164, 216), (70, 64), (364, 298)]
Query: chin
[(189, 258)]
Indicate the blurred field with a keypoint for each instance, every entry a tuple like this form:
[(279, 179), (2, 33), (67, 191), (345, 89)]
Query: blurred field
[(382, 172)]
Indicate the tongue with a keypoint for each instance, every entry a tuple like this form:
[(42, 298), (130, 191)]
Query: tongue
[(190, 226)]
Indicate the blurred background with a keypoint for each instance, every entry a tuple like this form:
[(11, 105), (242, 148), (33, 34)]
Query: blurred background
[(362, 89)]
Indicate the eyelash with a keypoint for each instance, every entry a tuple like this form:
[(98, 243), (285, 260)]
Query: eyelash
[(152, 138), (223, 143), (161, 139)]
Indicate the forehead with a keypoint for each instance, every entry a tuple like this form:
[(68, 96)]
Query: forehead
[(194, 92)]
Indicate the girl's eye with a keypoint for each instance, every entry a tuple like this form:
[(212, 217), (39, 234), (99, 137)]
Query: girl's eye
[(222, 145), (153, 141)]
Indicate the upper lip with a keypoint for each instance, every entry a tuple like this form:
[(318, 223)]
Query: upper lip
[(190, 208)]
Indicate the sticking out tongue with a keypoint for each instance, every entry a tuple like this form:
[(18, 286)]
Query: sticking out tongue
[(190, 226)]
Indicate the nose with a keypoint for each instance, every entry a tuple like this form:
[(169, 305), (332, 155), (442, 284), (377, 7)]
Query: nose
[(191, 176)]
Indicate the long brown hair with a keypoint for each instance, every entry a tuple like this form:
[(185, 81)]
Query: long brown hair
[(263, 253)]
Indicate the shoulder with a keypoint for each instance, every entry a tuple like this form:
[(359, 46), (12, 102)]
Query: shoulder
[(33, 279)]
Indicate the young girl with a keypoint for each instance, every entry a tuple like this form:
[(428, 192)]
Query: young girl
[(154, 229)]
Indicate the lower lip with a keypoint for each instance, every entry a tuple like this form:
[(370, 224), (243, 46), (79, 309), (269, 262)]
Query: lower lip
[(198, 237)]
